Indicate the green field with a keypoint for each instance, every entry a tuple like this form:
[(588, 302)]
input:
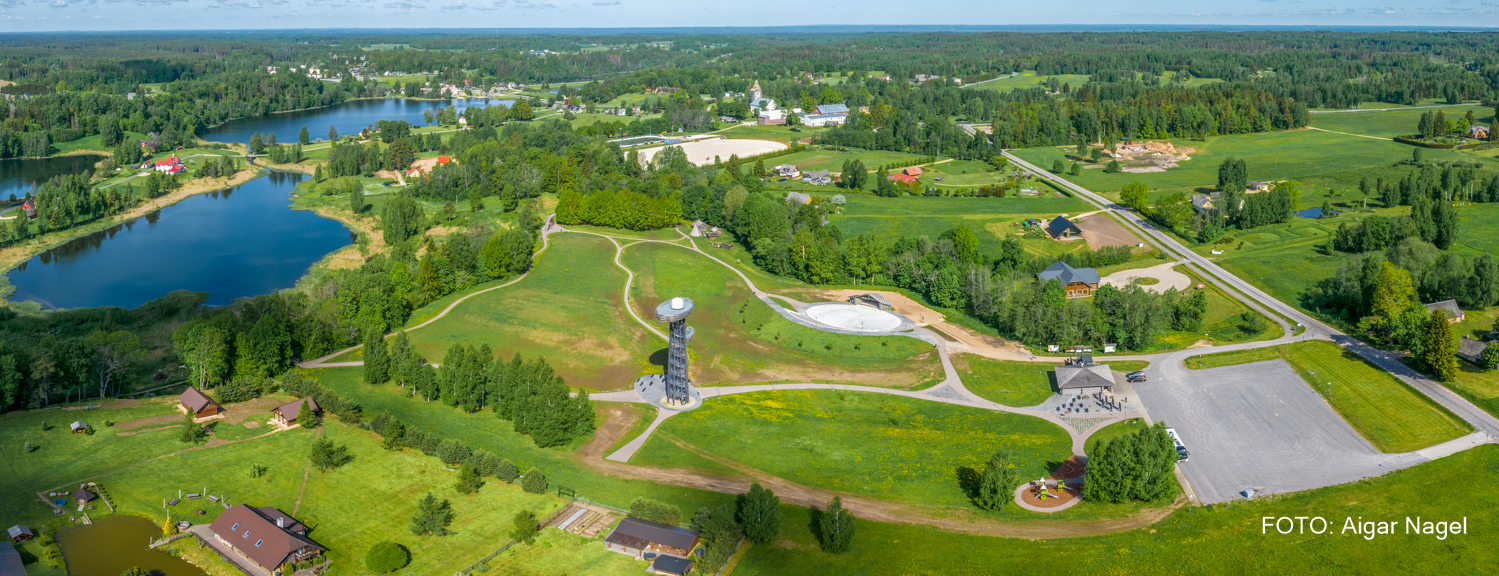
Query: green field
[(1306, 155), (1479, 386), (1218, 539), (1388, 124), (824, 159), (1017, 384), (1390, 415), (777, 133), (885, 447), (990, 218), (567, 310), (1028, 79), (740, 339)]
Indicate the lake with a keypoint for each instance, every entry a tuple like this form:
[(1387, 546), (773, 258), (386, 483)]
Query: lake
[(113, 544), (348, 117), (20, 175), (240, 242)]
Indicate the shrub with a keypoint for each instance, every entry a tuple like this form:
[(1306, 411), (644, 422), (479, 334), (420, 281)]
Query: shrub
[(655, 511), (535, 481), (386, 557), (507, 471)]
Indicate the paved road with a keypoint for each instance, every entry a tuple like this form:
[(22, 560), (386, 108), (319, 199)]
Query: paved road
[(1258, 299)]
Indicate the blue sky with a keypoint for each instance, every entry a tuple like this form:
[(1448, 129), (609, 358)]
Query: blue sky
[(52, 15)]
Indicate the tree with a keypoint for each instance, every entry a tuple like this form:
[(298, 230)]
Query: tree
[(135, 571), (332, 134), (1233, 175), (257, 145), (1394, 295), (1438, 352), (376, 358), (386, 557), (759, 514), (192, 432), (326, 456), (1075, 169), (432, 517), (1135, 195), (507, 471), (1112, 167), (401, 219), (469, 479), (112, 352), (304, 138), (534, 482), (356, 198), (836, 528), (997, 484), (1058, 166), (1490, 357), (524, 527)]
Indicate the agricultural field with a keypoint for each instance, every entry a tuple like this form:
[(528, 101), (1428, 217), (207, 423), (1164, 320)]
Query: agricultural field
[(1218, 539), (567, 310), (885, 447), (740, 340), (787, 134), (1310, 156), (1390, 415), (1392, 123), (1028, 79), (990, 218)]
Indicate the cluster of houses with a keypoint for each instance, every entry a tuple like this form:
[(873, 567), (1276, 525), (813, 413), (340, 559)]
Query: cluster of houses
[(791, 172), (767, 114), (909, 175), (195, 402)]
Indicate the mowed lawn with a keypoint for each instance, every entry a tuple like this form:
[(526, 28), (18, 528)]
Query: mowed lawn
[(874, 445), (740, 339), (1017, 384), (1479, 386), (1388, 413), (1392, 123), (1028, 79), (1218, 539), (832, 160), (991, 219), (569, 310)]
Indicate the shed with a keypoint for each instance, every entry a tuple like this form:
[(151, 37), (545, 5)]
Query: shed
[(84, 496), (10, 560), (1450, 308), (78, 427), (1062, 229), (288, 413), (671, 566), (20, 533), (1471, 350), (198, 404), (871, 299), (1087, 379)]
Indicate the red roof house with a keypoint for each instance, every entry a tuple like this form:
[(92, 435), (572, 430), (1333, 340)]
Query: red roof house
[(172, 165), (904, 178)]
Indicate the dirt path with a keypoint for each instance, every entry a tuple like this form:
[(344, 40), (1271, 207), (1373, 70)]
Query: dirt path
[(962, 521), (1349, 134), (306, 472), (618, 420)]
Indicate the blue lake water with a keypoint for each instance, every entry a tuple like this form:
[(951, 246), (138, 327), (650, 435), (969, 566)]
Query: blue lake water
[(21, 175), (1313, 213), (348, 118), (245, 241)]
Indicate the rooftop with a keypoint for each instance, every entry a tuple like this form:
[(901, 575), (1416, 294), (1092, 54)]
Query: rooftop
[(1066, 274), (1090, 376), (633, 531)]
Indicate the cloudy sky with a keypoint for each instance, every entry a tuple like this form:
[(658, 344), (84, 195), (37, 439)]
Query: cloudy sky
[(54, 15)]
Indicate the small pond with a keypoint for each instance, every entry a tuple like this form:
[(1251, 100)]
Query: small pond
[(245, 241), (113, 544), (1312, 213), (348, 118)]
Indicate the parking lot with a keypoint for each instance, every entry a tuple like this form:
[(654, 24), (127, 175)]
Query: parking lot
[(1258, 426)]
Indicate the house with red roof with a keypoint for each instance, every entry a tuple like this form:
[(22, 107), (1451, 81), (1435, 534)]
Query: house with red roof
[(904, 178), (171, 166)]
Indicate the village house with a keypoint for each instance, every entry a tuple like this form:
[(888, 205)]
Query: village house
[(904, 178), (198, 404), (288, 414), (798, 198), (29, 206), (266, 537), (1471, 350), (787, 171), (11, 563), (637, 537), (1076, 282), (1479, 132), (171, 166), (819, 177), (1448, 307)]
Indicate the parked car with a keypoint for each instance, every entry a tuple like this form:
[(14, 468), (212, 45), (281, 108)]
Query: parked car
[(1135, 373), (1135, 379), (1181, 449)]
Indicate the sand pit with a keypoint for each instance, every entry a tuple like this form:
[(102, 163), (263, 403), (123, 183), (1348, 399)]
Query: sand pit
[(702, 152), (1142, 157)]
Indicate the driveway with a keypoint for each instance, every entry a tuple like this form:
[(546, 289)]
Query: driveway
[(1259, 426), (1165, 278)]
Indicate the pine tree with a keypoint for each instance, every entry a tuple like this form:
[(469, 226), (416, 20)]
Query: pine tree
[(836, 528), (432, 517), (376, 360), (469, 479), (304, 137), (524, 527), (760, 514), (507, 471), (534, 482), (1438, 353), (997, 485)]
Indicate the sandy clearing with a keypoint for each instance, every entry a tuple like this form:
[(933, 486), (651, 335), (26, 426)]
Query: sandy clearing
[(1100, 230), (702, 152)]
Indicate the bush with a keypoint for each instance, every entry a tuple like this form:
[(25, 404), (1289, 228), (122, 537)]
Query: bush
[(507, 471), (386, 557), (654, 511), (535, 482)]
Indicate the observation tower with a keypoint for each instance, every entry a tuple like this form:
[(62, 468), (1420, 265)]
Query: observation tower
[(672, 390)]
